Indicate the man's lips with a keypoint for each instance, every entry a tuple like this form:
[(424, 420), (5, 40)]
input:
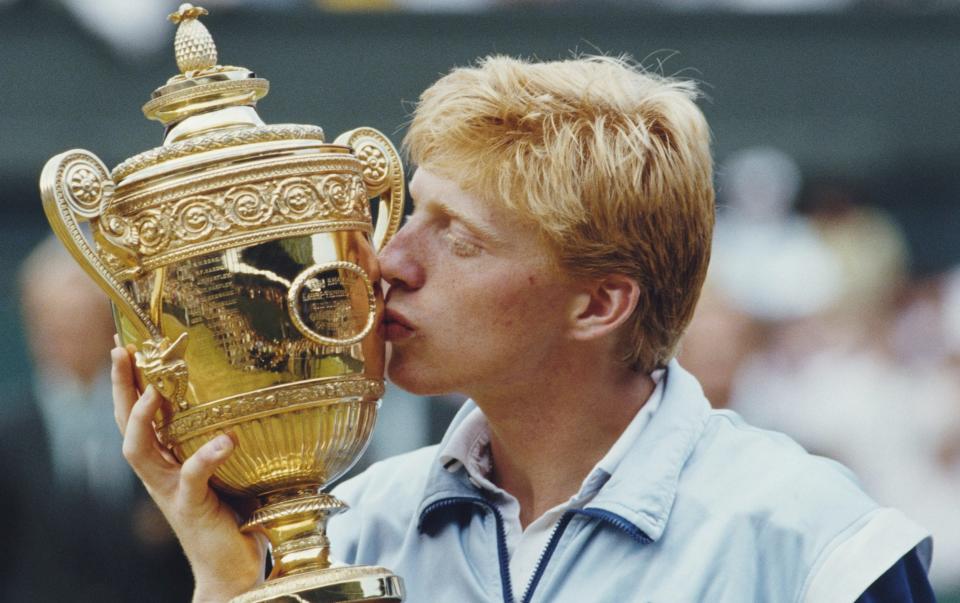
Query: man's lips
[(396, 326)]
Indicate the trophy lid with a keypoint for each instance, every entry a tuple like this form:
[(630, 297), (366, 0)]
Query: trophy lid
[(202, 84), (207, 106)]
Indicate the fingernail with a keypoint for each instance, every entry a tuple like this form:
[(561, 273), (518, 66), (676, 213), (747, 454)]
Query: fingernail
[(222, 443), (116, 340)]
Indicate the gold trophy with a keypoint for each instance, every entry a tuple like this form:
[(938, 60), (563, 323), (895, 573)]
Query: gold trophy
[(240, 260)]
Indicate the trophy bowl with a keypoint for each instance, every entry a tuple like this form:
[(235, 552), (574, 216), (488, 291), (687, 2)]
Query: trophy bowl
[(240, 259)]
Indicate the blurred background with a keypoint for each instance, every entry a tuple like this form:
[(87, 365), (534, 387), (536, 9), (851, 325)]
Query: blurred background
[(832, 308)]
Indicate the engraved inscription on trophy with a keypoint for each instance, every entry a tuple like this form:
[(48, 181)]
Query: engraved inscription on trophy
[(333, 303), (212, 294), (205, 291)]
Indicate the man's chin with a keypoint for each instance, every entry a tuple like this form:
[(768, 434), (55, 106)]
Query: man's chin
[(410, 379)]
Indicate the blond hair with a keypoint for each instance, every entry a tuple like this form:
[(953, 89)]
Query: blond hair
[(612, 163)]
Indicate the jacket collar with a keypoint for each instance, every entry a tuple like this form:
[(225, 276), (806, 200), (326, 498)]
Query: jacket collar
[(641, 491)]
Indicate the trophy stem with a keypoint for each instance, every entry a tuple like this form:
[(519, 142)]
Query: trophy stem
[(295, 523)]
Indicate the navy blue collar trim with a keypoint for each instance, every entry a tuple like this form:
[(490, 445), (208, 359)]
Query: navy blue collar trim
[(459, 503), (436, 508), (621, 523)]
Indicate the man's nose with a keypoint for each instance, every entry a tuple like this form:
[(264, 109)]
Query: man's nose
[(400, 262)]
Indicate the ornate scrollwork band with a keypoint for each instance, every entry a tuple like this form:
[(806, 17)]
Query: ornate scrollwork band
[(223, 412), (157, 233)]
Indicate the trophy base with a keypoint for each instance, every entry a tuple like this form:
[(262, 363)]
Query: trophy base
[(344, 584)]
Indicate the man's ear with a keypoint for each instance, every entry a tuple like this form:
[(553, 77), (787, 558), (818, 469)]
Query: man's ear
[(604, 307)]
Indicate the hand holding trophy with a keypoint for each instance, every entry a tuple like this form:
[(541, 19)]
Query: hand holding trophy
[(225, 561), (241, 261)]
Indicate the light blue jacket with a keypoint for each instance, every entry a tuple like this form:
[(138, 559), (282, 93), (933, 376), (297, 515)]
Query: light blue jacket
[(702, 508)]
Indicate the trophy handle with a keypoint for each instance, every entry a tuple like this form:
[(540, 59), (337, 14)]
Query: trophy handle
[(383, 177), (76, 187)]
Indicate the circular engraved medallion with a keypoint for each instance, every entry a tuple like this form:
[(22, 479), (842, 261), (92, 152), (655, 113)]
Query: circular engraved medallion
[(333, 304), (86, 184)]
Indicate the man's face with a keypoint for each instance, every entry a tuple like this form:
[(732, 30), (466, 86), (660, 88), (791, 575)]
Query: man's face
[(69, 323), (474, 304)]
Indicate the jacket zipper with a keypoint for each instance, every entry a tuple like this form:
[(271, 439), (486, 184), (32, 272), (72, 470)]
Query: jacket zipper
[(562, 523), (618, 522), (558, 530), (546, 554)]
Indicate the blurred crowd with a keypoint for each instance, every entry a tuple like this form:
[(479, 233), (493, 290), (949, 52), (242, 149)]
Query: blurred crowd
[(811, 324), (78, 524)]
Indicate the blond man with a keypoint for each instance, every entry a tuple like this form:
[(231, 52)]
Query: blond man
[(560, 237)]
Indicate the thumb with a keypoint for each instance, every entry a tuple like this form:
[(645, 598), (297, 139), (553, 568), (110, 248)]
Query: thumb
[(197, 470)]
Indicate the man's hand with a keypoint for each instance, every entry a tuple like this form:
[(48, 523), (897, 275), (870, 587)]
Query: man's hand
[(225, 562)]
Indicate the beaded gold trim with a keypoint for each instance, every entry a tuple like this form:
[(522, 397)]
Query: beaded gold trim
[(227, 411), (254, 88), (309, 503), (364, 582), (216, 141)]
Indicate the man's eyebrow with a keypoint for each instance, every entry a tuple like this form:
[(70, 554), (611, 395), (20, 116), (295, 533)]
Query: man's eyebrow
[(481, 230)]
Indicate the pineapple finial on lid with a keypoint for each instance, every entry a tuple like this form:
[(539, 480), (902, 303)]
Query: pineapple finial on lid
[(203, 85), (193, 44)]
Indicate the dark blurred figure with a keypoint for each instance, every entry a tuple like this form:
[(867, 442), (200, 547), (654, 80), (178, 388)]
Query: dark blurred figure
[(78, 525)]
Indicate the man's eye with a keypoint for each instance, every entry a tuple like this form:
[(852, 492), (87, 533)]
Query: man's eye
[(460, 246)]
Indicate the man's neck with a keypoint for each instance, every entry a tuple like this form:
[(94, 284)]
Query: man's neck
[(545, 441)]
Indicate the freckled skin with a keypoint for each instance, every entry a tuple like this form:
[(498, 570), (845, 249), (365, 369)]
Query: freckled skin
[(483, 320)]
